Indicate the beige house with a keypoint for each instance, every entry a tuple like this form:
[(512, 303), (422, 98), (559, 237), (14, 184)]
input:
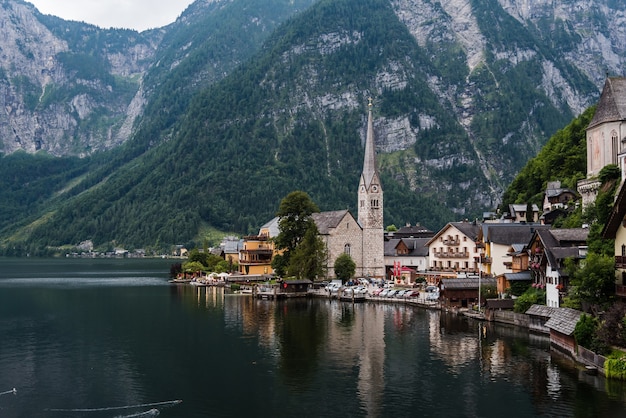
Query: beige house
[(499, 240), (606, 137), (453, 249)]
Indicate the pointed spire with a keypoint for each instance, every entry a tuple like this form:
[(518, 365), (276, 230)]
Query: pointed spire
[(369, 160)]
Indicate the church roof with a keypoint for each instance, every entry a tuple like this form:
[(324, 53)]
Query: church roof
[(325, 221), (612, 104), (369, 160)]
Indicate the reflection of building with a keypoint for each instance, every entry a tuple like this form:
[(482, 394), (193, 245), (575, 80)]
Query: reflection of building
[(364, 347)]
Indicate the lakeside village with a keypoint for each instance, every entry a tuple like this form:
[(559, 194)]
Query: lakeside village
[(510, 268), (514, 268)]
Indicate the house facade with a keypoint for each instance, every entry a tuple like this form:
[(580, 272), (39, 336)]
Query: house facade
[(454, 250), (257, 252), (499, 239), (406, 253), (548, 250), (615, 229)]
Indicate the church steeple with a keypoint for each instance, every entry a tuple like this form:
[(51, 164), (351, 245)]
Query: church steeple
[(369, 160), (370, 207)]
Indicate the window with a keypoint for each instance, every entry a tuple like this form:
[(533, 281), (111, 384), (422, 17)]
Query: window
[(346, 249)]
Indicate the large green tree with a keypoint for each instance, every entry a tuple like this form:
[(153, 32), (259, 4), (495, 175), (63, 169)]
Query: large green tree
[(307, 260), (295, 220), (345, 267), (593, 283)]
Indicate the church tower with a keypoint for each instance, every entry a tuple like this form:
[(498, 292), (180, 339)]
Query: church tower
[(370, 208)]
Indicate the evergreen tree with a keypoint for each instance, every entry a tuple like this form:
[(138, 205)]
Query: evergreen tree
[(294, 221), (307, 259)]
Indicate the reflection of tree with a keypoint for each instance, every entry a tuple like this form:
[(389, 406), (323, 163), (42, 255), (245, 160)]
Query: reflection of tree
[(302, 334)]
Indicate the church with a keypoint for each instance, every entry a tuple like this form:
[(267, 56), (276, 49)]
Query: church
[(361, 238), (606, 137)]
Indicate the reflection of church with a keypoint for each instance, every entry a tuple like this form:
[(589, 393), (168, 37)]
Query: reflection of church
[(606, 137)]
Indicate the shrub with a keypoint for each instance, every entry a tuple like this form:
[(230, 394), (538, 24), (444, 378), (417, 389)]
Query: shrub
[(529, 298)]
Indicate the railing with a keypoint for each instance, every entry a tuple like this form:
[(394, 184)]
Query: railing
[(485, 260), (620, 290), (254, 262), (451, 241), (452, 254)]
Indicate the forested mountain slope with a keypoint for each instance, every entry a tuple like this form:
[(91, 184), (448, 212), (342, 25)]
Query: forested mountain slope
[(465, 93)]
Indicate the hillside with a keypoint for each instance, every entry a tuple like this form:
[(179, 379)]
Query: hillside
[(460, 107)]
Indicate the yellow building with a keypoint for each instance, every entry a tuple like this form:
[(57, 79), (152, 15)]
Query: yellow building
[(255, 258)]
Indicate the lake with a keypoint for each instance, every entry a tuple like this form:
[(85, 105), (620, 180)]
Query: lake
[(112, 338)]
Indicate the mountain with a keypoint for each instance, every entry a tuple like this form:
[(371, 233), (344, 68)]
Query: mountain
[(465, 93)]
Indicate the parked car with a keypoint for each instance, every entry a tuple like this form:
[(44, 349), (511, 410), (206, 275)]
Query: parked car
[(377, 291), (412, 294), (391, 293)]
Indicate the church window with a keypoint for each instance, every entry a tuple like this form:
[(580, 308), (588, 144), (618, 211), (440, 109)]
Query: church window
[(362, 203), (614, 146), (346, 249)]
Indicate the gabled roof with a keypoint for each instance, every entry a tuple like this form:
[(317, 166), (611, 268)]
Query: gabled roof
[(570, 236), (521, 207), (469, 229), (456, 284), (518, 277), (564, 320), (417, 247), (557, 192), (509, 234), (617, 214), (325, 221), (272, 226), (416, 231), (541, 310), (612, 104)]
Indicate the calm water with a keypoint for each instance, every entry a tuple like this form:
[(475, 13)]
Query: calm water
[(111, 338)]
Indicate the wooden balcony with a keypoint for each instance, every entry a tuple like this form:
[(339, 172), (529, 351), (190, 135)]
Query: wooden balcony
[(451, 241), (620, 262), (620, 290)]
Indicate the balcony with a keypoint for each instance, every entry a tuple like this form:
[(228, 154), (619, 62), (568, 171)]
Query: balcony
[(485, 260), (620, 262), (451, 241), (620, 290)]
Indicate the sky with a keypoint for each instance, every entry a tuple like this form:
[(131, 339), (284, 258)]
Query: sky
[(127, 14)]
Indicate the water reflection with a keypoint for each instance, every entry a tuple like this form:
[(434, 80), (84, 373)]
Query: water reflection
[(381, 360)]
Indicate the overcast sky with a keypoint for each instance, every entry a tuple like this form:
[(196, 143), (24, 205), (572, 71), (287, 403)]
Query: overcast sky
[(128, 14)]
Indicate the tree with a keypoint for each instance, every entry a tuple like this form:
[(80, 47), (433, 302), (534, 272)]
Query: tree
[(307, 261), (295, 220), (593, 282), (345, 267)]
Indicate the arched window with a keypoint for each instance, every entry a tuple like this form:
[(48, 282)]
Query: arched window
[(346, 249)]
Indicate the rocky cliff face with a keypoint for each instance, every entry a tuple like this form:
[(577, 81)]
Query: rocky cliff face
[(63, 95), (47, 102)]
